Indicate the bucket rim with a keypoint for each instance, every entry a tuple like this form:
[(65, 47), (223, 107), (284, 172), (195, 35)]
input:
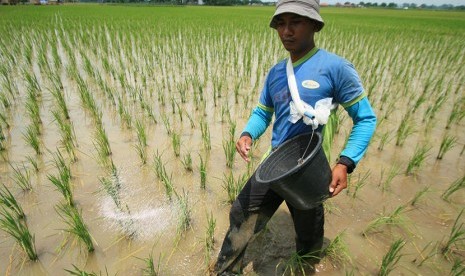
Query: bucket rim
[(295, 168)]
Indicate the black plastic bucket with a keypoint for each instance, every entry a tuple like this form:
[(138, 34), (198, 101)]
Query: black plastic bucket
[(303, 185)]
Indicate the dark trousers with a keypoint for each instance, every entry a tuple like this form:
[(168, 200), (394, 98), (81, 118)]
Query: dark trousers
[(249, 214)]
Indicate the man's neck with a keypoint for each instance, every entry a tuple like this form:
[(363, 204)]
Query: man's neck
[(295, 56)]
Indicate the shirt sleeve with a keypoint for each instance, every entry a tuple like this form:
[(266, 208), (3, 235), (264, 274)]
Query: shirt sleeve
[(348, 84), (364, 120)]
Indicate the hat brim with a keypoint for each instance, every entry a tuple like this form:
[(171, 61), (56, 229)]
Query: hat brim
[(302, 11)]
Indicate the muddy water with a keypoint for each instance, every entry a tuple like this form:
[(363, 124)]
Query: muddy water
[(154, 218)]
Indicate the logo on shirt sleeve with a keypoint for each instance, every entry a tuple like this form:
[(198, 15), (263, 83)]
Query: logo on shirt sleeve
[(310, 84)]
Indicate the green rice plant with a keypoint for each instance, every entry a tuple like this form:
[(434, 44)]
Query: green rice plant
[(420, 194), (31, 136), (150, 268), (63, 181), (176, 142), (141, 133), (191, 120), (7, 199), (166, 123), (203, 172), (76, 226), (455, 240), (19, 230), (458, 268), (391, 258), (187, 162), (68, 136), (417, 159), (392, 173), (395, 218), (22, 177), (112, 190), (423, 258), (78, 272), (162, 174), (209, 236), (405, 129), (448, 142), (33, 162), (229, 146), (60, 101), (361, 182), (142, 152), (185, 213), (457, 113), (337, 251), (233, 186), (299, 265), (102, 146), (454, 187), (385, 137), (205, 134)]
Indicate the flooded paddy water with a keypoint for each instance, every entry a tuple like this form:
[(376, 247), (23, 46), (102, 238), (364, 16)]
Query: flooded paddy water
[(128, 95)]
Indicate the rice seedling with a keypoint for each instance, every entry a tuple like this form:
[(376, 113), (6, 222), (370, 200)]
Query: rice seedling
[(102, 146), (191, 120), (185, 213), (419, 195), (448, 142), (391, 258), (229, 146), (203, 172), (76, 226), (31, 137), (405, 129), (166, 123), (19, 231), (150, 268), (162, 174), (395, 218), (337, 251), (78, 272), (454, 187), (209, 238), (22, 177), (423, 258), (141, 133), (176, 142), (361, 182), (233, 186), (392, 173), (417, 159), (7, 199), (141, 152), (187, 162), (205, 135), (455, 240), (298, 265), (458, 268), (33, 162), (112, 190), (457, 113), (60, 101), (384, 139), (63, 181)]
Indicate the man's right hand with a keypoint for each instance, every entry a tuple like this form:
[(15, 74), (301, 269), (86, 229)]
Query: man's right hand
[(243, 146)]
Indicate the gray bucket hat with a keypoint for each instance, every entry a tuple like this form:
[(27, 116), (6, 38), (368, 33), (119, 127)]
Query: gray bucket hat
[(306, 8)]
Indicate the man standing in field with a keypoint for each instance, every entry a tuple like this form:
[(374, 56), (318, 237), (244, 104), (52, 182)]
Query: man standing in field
[(319, 75)]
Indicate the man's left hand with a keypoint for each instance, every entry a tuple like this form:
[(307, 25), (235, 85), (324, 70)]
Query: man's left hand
[(339, 181)]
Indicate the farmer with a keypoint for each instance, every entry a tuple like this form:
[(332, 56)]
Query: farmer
[(319, 75)]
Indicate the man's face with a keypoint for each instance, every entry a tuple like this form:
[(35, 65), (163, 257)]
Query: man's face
[(296, 32)]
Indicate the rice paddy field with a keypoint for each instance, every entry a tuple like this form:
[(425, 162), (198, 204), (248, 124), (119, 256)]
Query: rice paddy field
[(118, 126)]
